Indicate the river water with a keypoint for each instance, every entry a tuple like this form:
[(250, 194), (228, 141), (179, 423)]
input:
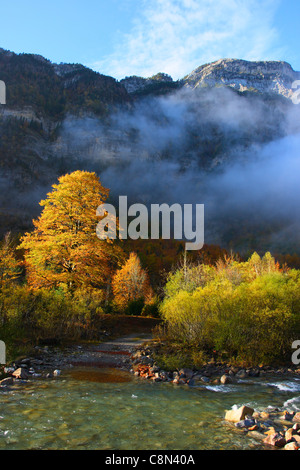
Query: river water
[(112, 410)]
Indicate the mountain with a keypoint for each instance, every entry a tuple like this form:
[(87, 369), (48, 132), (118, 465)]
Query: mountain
[(155, 140), (261, 77), (267, 77)]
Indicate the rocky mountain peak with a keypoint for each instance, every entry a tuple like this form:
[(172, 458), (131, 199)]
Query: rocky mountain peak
[(260, 76), (136, 84)]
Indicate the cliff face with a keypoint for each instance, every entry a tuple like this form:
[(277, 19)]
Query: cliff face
[(262, 77)]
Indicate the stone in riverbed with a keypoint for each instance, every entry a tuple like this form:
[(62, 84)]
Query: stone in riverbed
[(275, 440), (289, 434), (291, 446), (257, 435), (186, 373), (241, 374), (246, 423), (225, 379), (296, 438), (254, 428), (156, 379), (296, 418), (264, 415), (270, 429), (287, 416), (235, 416), (282, 422), (204, 379)]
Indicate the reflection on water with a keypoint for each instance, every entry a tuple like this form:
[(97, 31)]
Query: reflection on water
[(101, 375), (109, 410)]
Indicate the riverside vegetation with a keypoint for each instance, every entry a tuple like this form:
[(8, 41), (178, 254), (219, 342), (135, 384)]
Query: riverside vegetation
[(61, 281)]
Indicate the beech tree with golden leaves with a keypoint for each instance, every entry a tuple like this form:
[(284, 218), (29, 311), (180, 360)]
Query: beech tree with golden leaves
[(64, 248), (131, 282), (10, 268)]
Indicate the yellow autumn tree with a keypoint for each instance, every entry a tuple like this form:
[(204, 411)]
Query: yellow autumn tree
[(63, 248), (9, 265), (131, 283)]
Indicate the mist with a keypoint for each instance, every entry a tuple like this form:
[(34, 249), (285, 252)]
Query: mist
[(237, 154)]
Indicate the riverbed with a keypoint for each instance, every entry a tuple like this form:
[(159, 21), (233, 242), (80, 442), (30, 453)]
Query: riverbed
[(106, 408)]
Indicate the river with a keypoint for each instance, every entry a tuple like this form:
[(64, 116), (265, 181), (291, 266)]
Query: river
[(109, 409)]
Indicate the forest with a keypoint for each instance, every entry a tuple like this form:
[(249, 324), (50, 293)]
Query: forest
[(60, 282)]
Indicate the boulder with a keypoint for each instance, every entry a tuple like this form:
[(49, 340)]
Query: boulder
[(254, 428), (246, 423), (271, 430), (264, 415), (289, 434), (275, 440), (205, 379), (186, 373), (241, 374), (287, 416), (291, 446), (256, 435), (296, 438), (296, 418), (225, 379), (235, 416)]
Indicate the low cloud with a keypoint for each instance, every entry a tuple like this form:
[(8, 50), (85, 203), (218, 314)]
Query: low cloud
[(239, 156)]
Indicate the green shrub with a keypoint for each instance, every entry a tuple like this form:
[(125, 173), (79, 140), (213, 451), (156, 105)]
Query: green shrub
[(135, 307), (249, 310), (151, 310)]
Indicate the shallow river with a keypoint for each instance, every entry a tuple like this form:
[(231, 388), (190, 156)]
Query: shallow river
[(112, 410)]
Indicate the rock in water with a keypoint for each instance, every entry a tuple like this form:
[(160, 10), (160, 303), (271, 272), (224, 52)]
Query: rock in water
[(235, 416), (275, 440), (225, 379)]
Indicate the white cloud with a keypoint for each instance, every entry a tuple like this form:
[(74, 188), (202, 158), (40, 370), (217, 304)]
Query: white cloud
[(176, 36)]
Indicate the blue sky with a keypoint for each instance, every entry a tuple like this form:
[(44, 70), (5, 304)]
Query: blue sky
[(139, 37)]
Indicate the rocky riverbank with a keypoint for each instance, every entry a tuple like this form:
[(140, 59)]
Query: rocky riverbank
[(48, 362), (275, 428), (144, 366)]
